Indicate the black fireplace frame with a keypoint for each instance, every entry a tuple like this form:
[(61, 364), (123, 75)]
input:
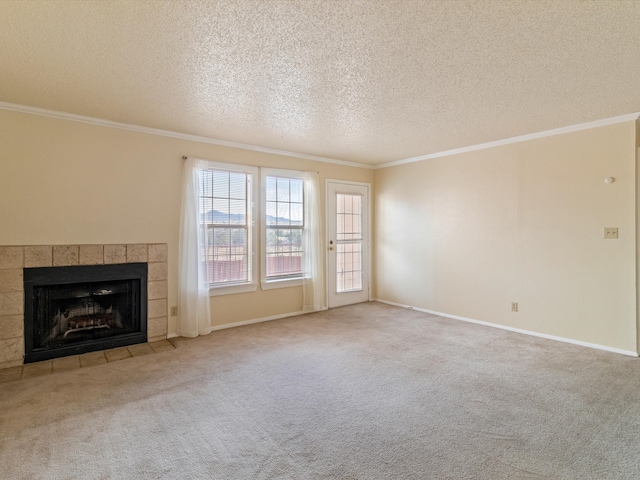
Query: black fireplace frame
[(50, 276)]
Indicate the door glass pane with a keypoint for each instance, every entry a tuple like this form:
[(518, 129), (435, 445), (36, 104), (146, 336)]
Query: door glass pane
[(349, 217), (348, 243)]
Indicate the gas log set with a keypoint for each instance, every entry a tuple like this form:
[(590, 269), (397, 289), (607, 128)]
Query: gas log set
[(71, 310)]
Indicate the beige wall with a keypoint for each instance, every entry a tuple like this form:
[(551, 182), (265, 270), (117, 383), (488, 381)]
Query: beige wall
[(64, 182), (468, 234), (463, 235)]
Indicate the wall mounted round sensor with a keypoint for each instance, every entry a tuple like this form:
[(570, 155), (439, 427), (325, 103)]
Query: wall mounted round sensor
[(609, 180)]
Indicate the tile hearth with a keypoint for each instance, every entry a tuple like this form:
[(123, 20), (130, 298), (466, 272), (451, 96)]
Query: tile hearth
[(13, 259), (64, 364)]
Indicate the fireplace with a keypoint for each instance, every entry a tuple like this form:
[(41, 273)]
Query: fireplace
[(79, 309)]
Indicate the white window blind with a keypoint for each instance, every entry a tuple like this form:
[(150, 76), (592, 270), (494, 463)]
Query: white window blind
[(284, 221), (225, 209)]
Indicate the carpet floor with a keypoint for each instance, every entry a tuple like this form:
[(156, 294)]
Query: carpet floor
[(367, 391)]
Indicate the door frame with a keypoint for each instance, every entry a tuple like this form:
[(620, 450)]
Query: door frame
[(369, 253)]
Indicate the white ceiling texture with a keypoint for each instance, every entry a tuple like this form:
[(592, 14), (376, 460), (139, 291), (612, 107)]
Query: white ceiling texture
[(369, 81)]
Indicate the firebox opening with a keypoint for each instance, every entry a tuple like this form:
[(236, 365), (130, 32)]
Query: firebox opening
[(71, 310)]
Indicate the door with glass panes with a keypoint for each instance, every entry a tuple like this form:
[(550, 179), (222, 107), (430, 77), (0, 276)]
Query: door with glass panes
[(347, 243)]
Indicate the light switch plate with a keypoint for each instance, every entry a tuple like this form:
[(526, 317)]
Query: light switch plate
[(610, 232)]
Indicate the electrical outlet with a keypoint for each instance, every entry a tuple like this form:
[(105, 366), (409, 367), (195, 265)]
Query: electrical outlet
[(174, 311), (514, 306), (610, 232)]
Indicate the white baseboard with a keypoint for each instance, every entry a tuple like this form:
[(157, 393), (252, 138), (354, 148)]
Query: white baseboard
[(512, 329), (257, 320), (249, 322)]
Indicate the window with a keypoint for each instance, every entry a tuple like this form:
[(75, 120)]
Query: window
[(284, 223), (348, 243), (226, 212)]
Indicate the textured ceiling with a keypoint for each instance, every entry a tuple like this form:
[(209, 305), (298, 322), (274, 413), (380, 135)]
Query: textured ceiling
[(366, 81)]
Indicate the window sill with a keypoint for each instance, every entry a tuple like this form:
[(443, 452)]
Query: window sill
[(285, 283), (231, 289)]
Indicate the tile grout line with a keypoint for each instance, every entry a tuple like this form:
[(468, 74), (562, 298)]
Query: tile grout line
[(166, 346)]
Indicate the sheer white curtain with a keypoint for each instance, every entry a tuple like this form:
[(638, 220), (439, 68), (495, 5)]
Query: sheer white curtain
[(194, 306), (313, 283)]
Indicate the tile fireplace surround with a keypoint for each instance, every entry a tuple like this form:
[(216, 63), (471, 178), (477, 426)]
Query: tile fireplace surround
[(14, 258)]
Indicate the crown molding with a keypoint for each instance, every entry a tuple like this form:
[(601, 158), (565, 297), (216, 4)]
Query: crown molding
[(168, 133), (521, 138), (257, 148)]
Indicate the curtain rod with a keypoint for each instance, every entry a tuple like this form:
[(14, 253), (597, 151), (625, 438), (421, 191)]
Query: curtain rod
[(184, 157)]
